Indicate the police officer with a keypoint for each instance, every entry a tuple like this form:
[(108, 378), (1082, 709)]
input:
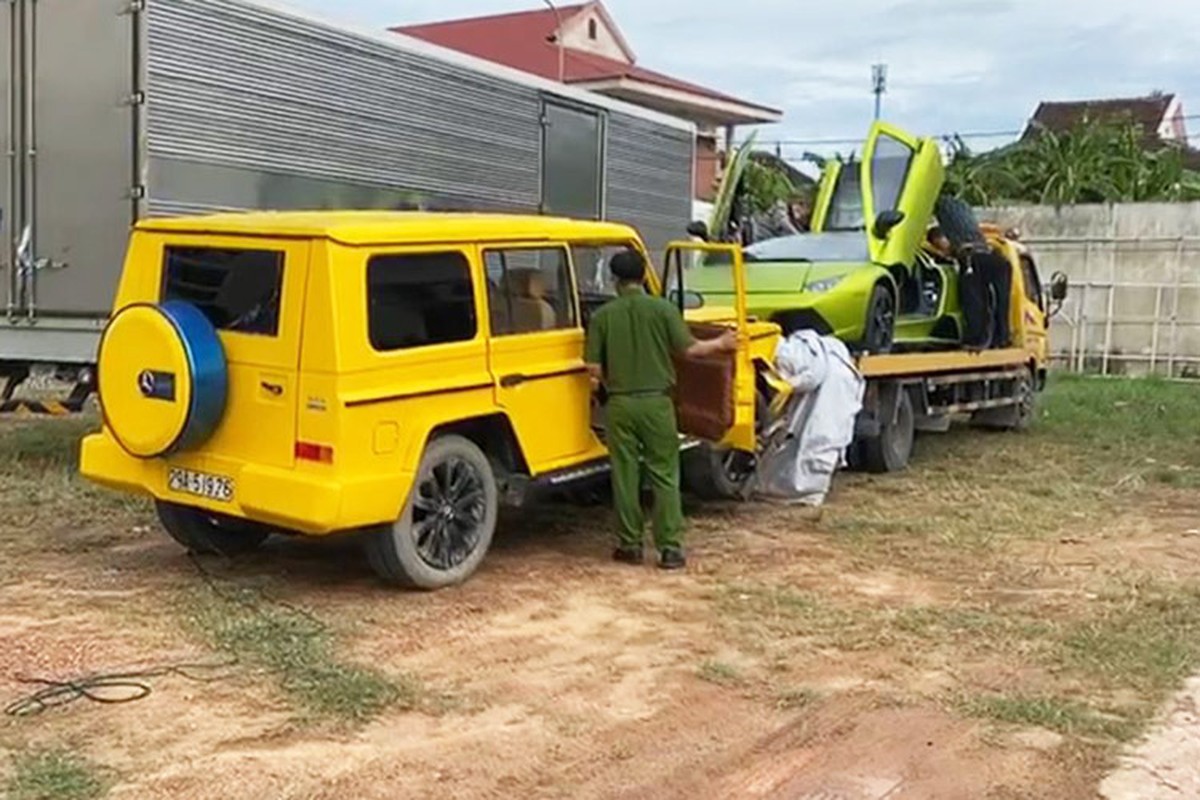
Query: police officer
[(630, 342)]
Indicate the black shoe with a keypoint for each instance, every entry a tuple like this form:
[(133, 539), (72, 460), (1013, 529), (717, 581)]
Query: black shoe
[(672, 559), (628, 555)]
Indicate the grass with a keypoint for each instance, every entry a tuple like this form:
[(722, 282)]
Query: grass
[(299, 649), (44, 444), (720, 673), (1053, 713), (1146, 640), (54, 775), (1090, 653), (795, 699)]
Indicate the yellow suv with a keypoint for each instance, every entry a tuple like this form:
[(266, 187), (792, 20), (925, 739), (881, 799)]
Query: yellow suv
[(399, 375)]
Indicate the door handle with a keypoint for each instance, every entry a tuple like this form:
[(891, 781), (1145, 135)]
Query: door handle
[(273, 389), (512, 381)]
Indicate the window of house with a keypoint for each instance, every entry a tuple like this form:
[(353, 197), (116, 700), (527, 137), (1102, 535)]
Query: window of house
[(529, 290), (238, 290), (592, 32), (419, 299)]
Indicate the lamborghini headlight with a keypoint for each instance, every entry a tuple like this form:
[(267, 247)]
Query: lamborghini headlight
[(823, 285)]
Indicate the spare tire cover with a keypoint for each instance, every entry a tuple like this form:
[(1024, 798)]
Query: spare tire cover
[(163, 378)]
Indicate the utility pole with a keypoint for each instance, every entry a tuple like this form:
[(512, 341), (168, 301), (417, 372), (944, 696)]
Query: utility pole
[(558, 38), (879, 86)]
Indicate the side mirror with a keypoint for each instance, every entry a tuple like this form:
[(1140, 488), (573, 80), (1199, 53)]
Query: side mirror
[(886, 221), (699, 229), (691, 300), (1060, 285)]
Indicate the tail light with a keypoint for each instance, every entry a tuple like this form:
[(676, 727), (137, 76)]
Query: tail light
[(317, 453)]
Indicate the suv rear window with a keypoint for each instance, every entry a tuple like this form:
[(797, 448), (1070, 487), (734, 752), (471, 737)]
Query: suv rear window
[(238, 290), (419, 300)]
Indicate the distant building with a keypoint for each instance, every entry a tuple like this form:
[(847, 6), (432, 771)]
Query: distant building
[(582, 45), (1159, 115)]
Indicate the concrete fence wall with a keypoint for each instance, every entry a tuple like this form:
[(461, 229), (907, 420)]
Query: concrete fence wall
[(1134, 269)]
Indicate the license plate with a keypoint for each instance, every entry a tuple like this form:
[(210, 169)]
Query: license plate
[(201, 484)]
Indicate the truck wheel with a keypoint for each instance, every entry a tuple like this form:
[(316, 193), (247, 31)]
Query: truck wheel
[(880, 330), (957, 220), (448, 521), (891, 450), (718, 473), (1017, 417), (208, 534)]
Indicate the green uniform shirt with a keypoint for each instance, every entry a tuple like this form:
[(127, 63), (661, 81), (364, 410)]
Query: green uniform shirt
[(632, 338)]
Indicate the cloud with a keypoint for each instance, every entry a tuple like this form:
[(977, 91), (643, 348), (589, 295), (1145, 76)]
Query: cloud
[(954, 65)]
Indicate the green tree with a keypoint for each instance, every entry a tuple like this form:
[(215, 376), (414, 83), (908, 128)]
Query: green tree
[(1096, 162), (765, 186)]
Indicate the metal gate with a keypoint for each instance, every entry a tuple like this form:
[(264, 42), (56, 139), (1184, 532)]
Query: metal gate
[(72, 149)]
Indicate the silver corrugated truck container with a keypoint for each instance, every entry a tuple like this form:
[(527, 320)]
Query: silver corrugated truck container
[(111, 110)]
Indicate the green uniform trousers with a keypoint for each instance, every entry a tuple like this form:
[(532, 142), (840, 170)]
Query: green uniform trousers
[(642, 430)]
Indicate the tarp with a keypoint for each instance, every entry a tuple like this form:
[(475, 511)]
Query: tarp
[(803, 453)]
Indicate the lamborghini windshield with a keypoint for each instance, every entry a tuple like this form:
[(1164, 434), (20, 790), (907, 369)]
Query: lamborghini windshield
[(836, 246)]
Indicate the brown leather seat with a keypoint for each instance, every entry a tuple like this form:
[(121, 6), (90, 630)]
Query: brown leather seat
[(530, 310)]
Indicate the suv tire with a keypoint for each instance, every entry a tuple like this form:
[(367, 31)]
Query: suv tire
[(447, 523), (209, 534), (711, 472)]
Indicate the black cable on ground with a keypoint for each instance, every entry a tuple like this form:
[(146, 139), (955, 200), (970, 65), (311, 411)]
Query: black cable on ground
[(127, 687), (109, 688)]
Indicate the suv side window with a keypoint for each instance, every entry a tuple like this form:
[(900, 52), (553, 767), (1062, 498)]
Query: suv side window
[(419, 299), (238, 290), (529, 290)]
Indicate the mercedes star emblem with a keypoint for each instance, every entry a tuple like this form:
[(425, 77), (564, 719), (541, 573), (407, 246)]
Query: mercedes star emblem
[(146, 383)]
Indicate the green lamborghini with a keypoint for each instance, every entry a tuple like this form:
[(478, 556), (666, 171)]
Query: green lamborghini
[(862, 274)]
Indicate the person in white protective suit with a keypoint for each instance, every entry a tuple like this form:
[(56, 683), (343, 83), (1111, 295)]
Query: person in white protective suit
[(804, 452)]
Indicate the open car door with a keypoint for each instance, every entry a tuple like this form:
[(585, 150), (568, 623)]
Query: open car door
[(715, 395), (722, 223), (890, 193)]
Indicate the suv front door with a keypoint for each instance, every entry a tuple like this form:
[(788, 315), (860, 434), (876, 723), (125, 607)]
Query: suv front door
[(715, 396)]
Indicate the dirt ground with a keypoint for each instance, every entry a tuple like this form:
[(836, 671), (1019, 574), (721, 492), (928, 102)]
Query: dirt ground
[(885, 650)]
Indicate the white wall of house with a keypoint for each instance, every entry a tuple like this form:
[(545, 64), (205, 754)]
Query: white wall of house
[(577, 35)]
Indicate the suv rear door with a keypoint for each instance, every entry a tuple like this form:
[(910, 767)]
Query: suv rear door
[(898, 172), (252, 290)]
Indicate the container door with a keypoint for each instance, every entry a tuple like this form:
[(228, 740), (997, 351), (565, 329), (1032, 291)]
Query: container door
[(572, 162), (84, 132), (9, 69)]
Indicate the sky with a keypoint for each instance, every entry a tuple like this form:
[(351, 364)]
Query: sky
[(955, 66)]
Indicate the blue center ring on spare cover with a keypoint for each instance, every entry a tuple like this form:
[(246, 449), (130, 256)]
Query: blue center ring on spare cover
[(208, 369)]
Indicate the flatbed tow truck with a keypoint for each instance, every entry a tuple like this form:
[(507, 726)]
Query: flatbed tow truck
[(920, 392)]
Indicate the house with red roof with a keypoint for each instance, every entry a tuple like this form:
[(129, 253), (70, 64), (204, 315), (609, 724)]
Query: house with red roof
[(1159, 116), (582, 45)]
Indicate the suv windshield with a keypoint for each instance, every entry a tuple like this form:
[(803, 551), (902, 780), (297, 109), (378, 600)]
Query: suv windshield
[(850, 246)]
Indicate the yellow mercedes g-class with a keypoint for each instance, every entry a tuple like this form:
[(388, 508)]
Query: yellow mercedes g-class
[(399, 375)]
